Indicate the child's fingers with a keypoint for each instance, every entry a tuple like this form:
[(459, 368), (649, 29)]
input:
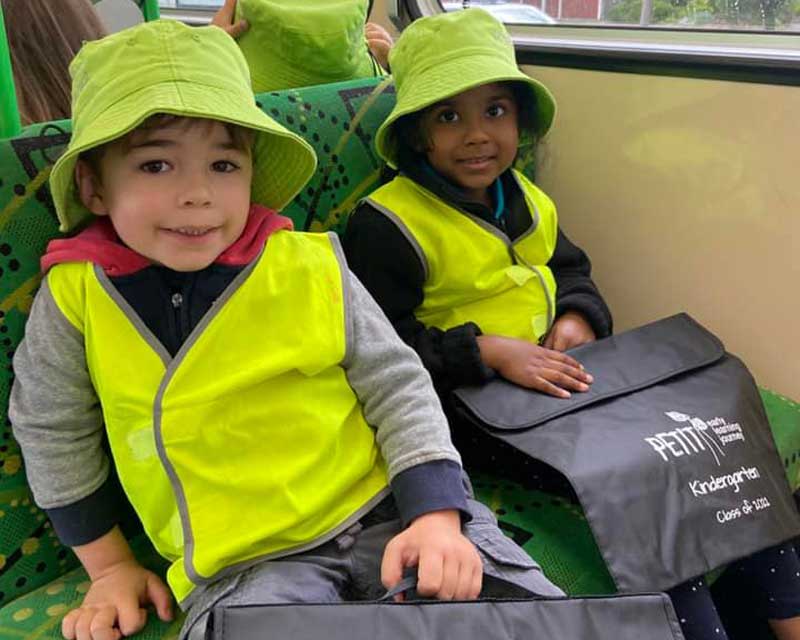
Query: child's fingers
[(576, 373), (392, 564), (430, 574), (476, 583), (159, 595), (545, 386), (83, 623), (102, 625), (465, 584), (236, 30), (68, 624), (563, 380), (223, 19), (573, 372), (131, 616), (451, 579), (93, 623), (371, 29), (563, 358)]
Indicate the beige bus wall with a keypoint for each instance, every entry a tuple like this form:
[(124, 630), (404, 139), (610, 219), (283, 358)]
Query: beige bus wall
[(686, 195)]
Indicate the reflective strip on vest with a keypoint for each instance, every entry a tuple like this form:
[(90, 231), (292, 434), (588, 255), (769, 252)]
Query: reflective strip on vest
[(250, 443), (473, 271)]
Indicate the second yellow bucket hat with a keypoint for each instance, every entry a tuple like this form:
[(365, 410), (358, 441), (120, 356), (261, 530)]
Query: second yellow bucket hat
[(440, 56), (167, 67)]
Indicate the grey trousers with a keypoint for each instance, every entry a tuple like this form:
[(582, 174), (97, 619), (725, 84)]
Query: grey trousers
[(349, 568)]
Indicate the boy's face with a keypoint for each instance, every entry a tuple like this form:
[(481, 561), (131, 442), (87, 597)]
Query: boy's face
[(177, 194), (473, 137)]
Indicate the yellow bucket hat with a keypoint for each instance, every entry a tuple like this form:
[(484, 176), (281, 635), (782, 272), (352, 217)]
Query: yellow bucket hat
[(300, 43), (165, 66), (443, 55)]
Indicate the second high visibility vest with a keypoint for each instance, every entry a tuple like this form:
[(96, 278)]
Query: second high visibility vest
[(249, 443), (473, 271)]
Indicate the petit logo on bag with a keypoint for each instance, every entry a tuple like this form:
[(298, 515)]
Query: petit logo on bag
[(693, 436)]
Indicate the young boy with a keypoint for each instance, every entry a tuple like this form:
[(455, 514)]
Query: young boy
[(257, 404)]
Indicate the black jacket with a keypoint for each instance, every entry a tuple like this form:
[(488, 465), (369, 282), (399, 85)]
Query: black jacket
[(384, 260)]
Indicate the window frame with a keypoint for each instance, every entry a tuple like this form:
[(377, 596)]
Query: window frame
[(736, 55)]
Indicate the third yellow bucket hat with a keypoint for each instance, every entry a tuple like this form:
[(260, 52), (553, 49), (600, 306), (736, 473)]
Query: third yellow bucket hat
[(440, 56), (167, 67), (299, 43)]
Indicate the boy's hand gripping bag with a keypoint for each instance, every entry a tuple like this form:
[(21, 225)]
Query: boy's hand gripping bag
[(670, 452), (627, 617)]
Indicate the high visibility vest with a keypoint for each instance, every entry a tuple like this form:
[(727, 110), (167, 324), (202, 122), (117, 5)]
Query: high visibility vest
[(473, 271), (249, 443)]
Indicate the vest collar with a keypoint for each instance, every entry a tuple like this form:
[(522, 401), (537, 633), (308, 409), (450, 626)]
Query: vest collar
[(516, 220), (100, 245)]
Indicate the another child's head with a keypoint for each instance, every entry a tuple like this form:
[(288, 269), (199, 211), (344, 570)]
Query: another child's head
[(169, 144), (462, 104), (43, 37)]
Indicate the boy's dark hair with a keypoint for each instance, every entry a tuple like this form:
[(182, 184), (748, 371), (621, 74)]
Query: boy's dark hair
[(413, 140), (241, 137)]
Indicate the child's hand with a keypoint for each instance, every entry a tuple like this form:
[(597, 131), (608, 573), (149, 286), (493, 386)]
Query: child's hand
[(114, 605), (379, 41), (570, 330), (532, 366), (224, 20), (449, 566)]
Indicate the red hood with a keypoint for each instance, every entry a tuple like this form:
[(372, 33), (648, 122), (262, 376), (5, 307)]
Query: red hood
[(100, 245)]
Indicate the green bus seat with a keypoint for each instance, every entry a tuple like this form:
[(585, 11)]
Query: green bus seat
[(39, 578)]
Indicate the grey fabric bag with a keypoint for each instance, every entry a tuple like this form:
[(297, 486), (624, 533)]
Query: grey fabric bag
[(670, 452), (630, 617)]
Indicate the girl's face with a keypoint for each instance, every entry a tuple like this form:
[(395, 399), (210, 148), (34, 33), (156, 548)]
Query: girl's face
[(473, 137)]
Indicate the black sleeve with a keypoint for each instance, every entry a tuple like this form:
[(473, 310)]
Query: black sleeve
[(386, 263), (91, 517), (576, 289)]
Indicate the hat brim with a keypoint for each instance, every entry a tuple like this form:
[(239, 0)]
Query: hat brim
[(282, 161), (269, 72), (453, 77)]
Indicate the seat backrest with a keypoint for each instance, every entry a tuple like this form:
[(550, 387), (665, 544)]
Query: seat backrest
[(339, 121)]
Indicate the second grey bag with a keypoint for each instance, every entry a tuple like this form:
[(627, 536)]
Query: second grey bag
[(631, 617)]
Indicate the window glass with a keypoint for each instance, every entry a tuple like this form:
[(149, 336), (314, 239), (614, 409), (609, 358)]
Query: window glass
[(723, 15), (190, 4)]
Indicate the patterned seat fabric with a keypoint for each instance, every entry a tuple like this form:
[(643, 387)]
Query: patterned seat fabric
[(340, 122)]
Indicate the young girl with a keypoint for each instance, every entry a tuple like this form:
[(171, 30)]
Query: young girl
[(471, 306), (465, 256)]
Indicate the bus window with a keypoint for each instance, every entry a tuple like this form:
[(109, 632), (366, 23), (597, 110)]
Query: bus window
[(719, 15)]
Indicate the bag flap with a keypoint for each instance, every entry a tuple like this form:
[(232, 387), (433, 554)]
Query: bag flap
[(620, 364)]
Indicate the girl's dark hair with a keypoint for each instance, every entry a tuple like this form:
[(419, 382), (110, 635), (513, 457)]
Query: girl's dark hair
[(43, 38), (412, 140)]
